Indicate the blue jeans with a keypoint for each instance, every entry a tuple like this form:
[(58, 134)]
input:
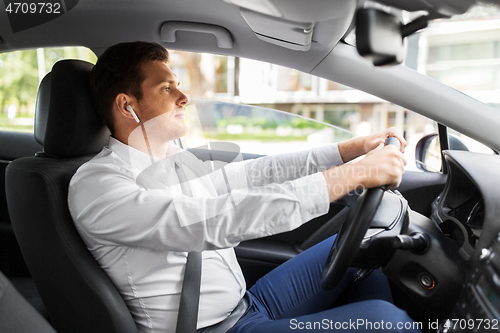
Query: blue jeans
[(290, 299)]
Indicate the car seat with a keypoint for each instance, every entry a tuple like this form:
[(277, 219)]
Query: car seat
[(77, 293)]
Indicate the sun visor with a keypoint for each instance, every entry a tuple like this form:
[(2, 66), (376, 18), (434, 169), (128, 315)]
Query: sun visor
[(274, 30), (292, 24)]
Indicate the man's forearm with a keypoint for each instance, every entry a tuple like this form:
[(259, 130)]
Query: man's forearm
[(351, 149), (288, 166)]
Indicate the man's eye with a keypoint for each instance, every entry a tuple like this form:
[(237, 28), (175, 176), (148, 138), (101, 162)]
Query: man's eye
[(167, 89)]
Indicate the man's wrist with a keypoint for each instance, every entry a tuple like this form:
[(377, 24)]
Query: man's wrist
[(344, 179)]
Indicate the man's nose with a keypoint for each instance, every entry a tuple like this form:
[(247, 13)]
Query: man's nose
[(183, 99)]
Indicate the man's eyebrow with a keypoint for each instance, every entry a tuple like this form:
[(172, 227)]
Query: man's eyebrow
[(168, 81)]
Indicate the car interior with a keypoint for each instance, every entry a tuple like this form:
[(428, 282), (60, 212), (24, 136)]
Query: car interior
[(437, 236)]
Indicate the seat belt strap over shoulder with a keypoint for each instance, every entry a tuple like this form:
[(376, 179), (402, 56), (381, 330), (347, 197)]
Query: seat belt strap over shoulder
[(187, 317)]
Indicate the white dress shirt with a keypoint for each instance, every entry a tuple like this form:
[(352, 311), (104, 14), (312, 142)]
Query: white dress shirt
[(139, 225)]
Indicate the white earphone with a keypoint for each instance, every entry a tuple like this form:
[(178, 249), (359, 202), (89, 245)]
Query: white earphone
[(129, 107)]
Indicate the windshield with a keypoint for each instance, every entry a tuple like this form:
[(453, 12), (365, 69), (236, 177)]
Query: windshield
[(463, 52)]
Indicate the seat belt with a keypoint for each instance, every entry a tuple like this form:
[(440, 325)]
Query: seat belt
[(187, 317)]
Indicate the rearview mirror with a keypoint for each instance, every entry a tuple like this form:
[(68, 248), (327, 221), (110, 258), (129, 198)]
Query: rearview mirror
[(379, 35)]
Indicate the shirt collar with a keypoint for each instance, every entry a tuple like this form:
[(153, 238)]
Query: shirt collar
[(136, 158)]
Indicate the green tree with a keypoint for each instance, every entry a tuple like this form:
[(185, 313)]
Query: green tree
[(18, 78)]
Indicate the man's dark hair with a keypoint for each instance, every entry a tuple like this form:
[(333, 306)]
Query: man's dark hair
[(118, 70)]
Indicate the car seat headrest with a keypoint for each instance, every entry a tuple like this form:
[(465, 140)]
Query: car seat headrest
[(66, 121)]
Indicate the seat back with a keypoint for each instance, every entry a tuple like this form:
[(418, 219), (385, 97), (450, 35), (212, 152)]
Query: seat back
[(76, 291)]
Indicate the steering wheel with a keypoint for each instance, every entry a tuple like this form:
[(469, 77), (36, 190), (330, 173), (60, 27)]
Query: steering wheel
[(350, 236)]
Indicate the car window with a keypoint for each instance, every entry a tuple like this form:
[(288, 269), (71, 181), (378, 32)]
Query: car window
[(469, 143), (464, 53), (256, 130), (269, 109), (20, 76)]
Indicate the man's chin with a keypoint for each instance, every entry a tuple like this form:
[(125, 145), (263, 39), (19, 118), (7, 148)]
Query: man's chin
[(182, 133)]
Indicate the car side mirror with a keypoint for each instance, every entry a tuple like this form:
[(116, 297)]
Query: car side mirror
[(428, 151)]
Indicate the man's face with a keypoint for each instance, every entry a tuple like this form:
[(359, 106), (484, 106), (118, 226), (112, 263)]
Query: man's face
[(161, 108)]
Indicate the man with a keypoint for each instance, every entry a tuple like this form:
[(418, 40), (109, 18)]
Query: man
[(133, 209)]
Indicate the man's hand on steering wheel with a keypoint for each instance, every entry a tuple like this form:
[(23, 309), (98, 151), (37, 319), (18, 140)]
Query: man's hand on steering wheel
[(373, 141), (384, 165), (382, 168), (353, 148)]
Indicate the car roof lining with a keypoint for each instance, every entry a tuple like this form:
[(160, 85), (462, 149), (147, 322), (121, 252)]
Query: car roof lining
[(97, 24)]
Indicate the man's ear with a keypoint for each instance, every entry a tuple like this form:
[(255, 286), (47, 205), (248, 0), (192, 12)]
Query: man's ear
[(121, 104)]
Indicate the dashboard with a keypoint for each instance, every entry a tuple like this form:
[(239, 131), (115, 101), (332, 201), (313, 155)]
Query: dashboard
[(459, 211), (468, 211)]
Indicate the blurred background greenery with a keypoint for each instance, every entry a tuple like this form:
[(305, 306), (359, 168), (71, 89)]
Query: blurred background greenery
[(19, 82)]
